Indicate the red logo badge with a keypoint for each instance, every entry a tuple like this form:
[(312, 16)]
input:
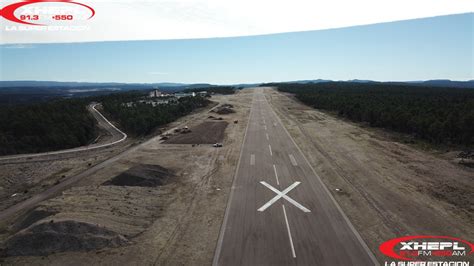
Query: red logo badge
[(8, 12), (416, 247)]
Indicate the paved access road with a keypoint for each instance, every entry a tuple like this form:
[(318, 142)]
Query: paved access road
[(279, 211)]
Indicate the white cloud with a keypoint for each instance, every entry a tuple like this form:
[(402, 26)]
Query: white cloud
[(184, 19)]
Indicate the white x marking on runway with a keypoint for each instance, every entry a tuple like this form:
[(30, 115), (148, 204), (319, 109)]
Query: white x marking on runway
[(281, 194)]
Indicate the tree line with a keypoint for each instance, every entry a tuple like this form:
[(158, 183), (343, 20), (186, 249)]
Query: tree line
[(66, 123), (216, 89), (41, 127), (437, 115), (141, 118)]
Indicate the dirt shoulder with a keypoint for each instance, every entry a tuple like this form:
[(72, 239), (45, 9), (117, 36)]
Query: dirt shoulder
[(160, 204), (386, 188), (23, 176), (22, 179)]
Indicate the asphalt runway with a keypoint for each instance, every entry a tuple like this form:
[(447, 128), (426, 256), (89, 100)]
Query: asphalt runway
[(279, 211)]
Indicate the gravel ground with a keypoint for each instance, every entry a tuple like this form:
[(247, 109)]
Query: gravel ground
[(175, 223), (388, 189), (205, 133)]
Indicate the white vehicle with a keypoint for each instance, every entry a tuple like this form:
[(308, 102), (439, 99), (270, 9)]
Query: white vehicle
[(217, 145)]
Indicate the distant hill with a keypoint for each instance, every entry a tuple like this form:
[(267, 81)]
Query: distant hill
[(431, 83), (308, 81), (76, 87), (246, 85), (30, 91), (361, 81), (34, 83), (449, 83), (197, 86)]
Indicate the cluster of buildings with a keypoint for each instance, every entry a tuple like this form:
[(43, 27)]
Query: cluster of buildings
[(156, 97), (157, 94)]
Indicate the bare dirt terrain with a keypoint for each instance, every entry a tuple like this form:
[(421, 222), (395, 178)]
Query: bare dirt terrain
[(23, 177), (163, 204), (386, 188), (208, 132), (157, 204)]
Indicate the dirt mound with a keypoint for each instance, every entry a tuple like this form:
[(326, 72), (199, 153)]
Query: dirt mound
[(214, 118), (144, 175), (205, 133), (224, 109), (31, 218), (51, 237)]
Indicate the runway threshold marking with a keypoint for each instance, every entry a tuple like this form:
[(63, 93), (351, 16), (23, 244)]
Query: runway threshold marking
[(252, 159), (276, 174), (282, 194), (289, 232), (292, 159), (270, 148)]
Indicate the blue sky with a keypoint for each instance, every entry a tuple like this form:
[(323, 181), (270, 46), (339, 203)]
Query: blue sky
[(433, 48)]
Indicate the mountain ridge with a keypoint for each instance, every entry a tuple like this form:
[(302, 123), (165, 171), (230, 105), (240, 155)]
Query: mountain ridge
[(181, 86)]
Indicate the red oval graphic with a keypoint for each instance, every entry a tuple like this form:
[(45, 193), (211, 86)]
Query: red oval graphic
[(8, 12), (388, 248)]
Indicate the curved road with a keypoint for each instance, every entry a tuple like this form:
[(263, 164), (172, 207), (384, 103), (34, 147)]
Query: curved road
[(117, 137), (69, 181)]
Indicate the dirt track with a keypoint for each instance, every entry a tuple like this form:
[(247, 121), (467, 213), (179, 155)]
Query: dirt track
[(21, 179), (108, 136), (387, 189), (175, 223)]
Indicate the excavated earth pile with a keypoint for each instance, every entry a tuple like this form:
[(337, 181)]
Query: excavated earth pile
[(142, 176), (51, 236)]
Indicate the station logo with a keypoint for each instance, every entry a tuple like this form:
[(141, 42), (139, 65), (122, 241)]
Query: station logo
[(427, 251), (47, 15)]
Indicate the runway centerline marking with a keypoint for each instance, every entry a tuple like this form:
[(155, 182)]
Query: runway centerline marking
[(265, 127), (252, 159), (293, 160), (270, 148), (282, 194), (266, 134), (289, 232), (276, 174)]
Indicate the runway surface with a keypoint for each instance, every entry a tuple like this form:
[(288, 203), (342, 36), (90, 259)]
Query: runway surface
[(279, 211)]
